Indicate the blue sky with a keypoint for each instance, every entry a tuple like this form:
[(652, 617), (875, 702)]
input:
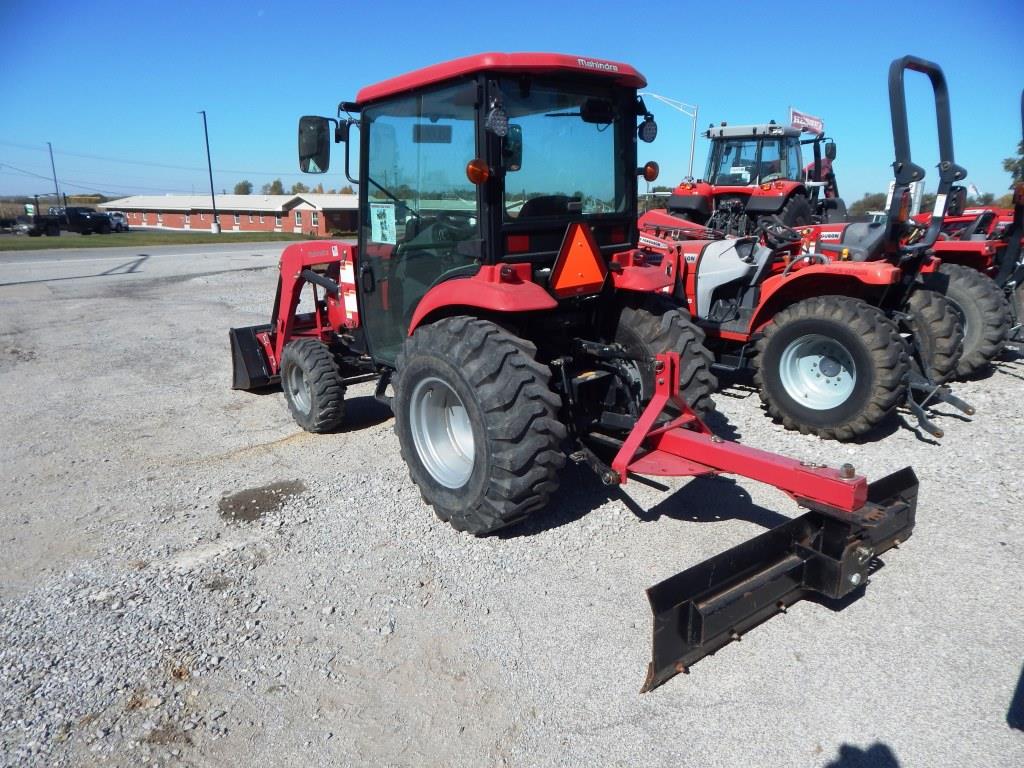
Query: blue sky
[(116, 86)]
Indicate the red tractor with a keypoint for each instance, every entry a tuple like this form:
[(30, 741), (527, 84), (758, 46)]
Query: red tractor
[(498, 295), (836, 340), (756, 173), (982, 274)]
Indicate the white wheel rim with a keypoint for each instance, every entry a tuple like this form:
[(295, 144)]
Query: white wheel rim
[(298, 388), (441, 432), (818, 372)]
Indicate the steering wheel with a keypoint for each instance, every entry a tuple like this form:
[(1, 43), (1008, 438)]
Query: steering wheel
[(778, 234), (450, 228)]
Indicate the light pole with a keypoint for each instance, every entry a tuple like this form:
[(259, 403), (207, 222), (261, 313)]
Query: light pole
[(690, 110), (215, 227), (56, 192)]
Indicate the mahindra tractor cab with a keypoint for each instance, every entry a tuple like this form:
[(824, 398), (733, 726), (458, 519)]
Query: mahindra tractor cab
[(500, 298)]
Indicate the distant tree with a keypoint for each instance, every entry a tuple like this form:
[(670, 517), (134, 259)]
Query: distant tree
[(873, 201), (299, 187), (1006, 201), (347, 190), (1015, 166), (273, 188), (243, 188), (986, 198), (319, 189)]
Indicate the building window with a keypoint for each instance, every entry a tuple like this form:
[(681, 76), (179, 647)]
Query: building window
[(251, 217), (277, 221), (159, 218), (217, 218), (145, 217), (202, 217), (238, 219), (298, 218), (314, 219), (187, 222), (261, 218)]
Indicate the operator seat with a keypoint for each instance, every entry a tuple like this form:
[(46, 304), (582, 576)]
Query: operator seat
[(545, 205)]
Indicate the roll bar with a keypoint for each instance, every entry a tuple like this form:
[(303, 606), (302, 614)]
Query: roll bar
[(905, 170)]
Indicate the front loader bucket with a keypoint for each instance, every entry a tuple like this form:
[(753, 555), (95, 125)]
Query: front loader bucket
[(249, 363), (825, 551)]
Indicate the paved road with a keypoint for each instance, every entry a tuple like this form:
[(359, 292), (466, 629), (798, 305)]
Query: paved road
[(104, 264)]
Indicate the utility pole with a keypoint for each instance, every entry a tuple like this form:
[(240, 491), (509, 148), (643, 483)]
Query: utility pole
[(215, 227), (690, 110), (56, 192)]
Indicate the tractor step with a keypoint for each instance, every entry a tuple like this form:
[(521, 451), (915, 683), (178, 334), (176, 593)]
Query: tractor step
[(825, 551), (249, 362)]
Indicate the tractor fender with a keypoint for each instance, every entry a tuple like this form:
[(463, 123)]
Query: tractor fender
[(858, 279), (505, 288), (772, 199)]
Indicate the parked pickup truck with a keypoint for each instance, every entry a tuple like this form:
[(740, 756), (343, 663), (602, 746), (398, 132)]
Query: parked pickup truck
[(85, 221)]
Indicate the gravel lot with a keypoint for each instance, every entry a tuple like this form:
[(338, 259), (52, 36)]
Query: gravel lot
[(188, 579)]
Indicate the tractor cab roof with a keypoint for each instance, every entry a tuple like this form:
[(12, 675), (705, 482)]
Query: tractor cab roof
[(725, 131), (504, 63)]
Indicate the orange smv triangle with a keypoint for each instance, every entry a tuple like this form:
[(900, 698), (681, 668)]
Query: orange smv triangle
[(579, 268)]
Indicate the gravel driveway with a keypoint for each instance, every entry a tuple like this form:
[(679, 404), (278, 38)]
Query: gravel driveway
[(188, 579)]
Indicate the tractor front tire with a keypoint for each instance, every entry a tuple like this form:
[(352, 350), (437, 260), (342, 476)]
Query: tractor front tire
[(983, 312), (832, 366), (477, 423), (796, 212), (312, 385), (935, 325), (650, 324)]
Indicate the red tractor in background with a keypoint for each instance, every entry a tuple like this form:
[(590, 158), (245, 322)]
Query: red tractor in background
[(756, 173), (836, 341), (980, 249), (498, 295)]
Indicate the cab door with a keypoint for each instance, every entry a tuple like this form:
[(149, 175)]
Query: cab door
[(419, 212)]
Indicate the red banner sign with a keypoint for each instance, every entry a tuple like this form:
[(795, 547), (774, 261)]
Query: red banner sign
[(806, 122)]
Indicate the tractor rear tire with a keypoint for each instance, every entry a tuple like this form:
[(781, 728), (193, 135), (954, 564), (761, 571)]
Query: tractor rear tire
[(935, 326), (312, 385), (983, 311), (832, 366), (796, 212), (651, 324), (477, 423)]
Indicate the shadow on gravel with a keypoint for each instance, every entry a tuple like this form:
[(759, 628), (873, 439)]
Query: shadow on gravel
[(363, 412), (702, 500), (1015, 714), (878, 755), (128, 268)]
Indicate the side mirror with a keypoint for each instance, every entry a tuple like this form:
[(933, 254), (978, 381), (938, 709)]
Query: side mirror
[(957, 201), (512, 150), (314, 144), (830, 150), (341, 132)]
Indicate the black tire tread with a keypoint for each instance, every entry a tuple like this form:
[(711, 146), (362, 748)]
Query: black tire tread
[(524, 434), (888, 351), (969, 284), (935, 324), (328, 393), (664, 326), (796, 211)]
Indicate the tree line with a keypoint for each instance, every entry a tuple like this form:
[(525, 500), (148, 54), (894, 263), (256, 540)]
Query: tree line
[(276, 187)]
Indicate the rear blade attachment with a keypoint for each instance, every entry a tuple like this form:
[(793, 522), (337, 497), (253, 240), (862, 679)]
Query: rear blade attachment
[(249, 363), (825, 551)]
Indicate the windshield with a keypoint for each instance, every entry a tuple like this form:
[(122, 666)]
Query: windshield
[(745, 161), (570, 141)]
